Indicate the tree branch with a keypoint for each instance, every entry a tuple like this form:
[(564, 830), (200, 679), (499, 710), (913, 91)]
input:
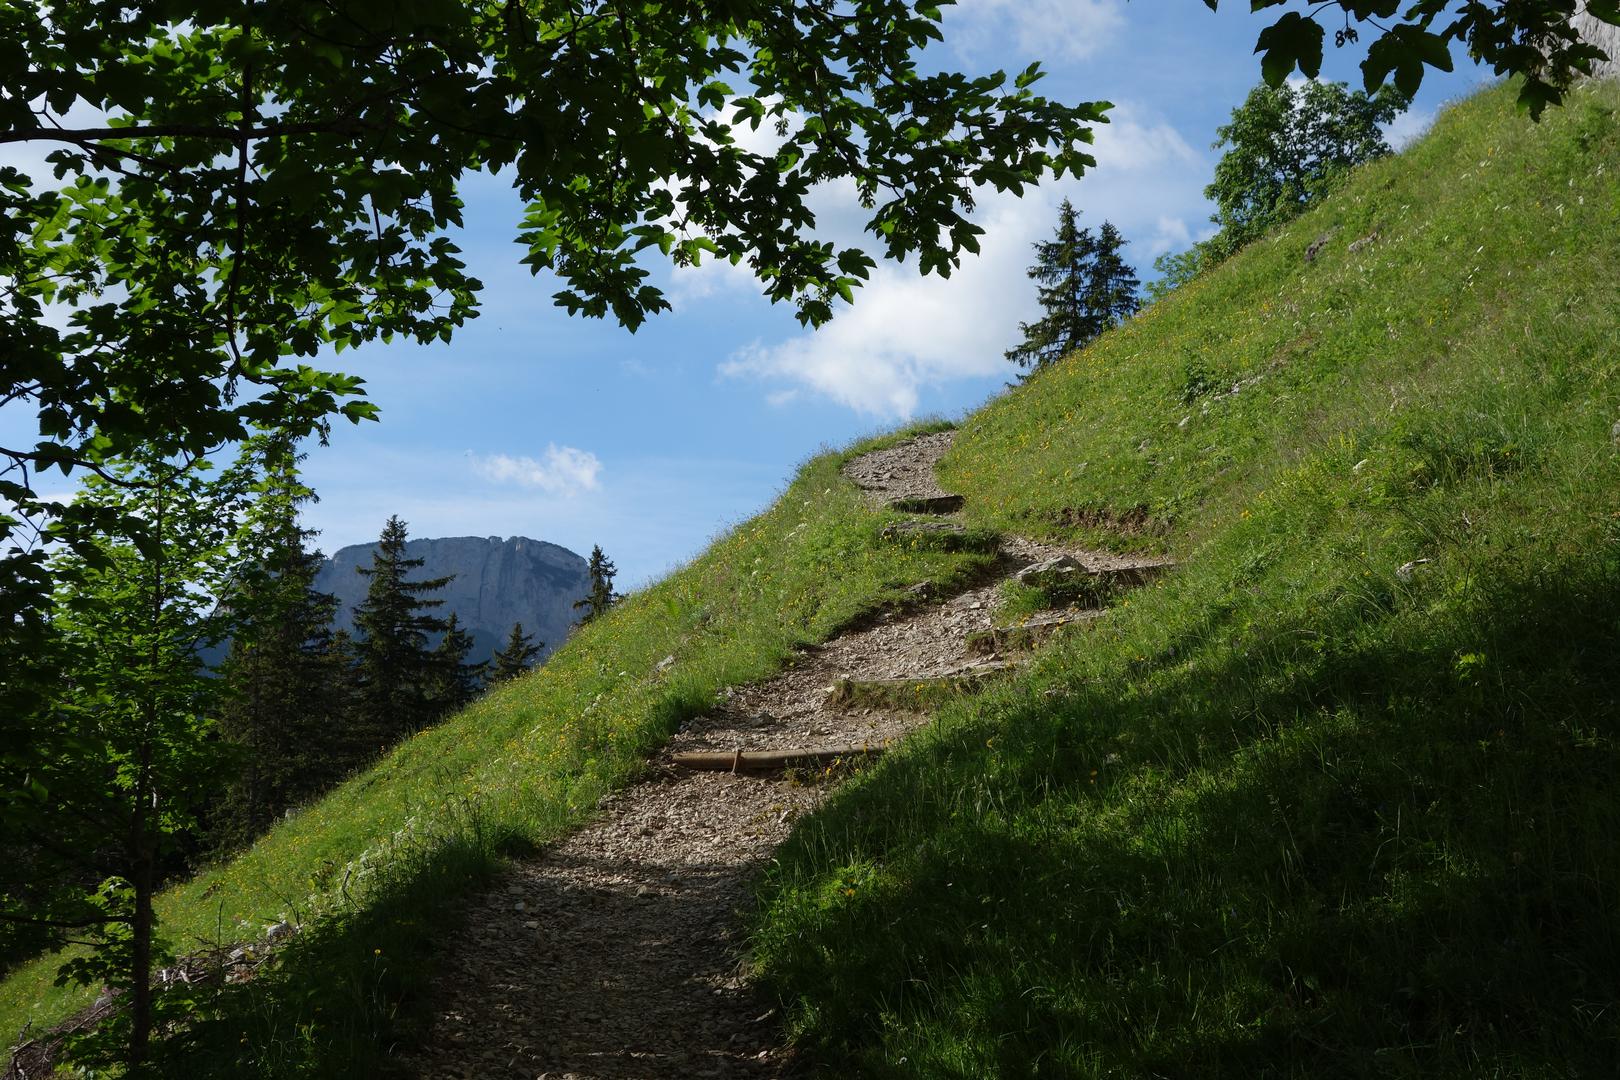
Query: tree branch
[(224, 133)]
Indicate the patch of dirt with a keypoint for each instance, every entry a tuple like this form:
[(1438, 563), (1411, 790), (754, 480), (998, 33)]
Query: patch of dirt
[(619, 952), (903, 476)]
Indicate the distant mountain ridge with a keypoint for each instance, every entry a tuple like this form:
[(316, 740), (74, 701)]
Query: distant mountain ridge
[(496, 582)]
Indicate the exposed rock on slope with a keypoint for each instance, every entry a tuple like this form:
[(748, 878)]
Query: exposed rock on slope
[(1605, 37), (497, 583)]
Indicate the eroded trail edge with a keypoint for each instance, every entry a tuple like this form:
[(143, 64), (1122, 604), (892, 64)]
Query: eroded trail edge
[(618, 952)]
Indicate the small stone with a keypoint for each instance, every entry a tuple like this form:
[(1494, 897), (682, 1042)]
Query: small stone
[(1407, 571), (520, 906), (1057, 567), (277, 931), (666, 663)]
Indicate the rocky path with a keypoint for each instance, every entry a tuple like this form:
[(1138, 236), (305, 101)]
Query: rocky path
[(618, 952)]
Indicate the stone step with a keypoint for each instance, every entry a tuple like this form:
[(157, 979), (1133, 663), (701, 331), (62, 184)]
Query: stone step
[(917, 694), (1067, 581), (1026, 635), (928, 504), (939, 536)]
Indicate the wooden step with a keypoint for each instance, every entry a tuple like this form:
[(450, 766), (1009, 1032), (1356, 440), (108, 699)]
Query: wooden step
[(772, 760)]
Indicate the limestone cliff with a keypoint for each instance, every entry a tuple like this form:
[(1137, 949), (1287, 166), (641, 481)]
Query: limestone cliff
[(496, 583)]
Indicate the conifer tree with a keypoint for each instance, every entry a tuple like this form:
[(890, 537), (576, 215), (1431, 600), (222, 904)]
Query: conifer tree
[(601, 597), (283, 698), (120, 759), (1061, 266), (395, 675), (456, 682), (1084, 288), (1111, 285), (516, 656)]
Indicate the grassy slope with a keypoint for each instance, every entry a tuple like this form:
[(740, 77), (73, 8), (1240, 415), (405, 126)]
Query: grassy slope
[(1284, 812), (383, 853), (1289, 812)]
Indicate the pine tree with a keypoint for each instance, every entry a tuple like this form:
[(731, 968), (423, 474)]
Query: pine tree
[(349, 744), (1084, 288), (456, 682), (515, 658), (395, 676), (601, 597)]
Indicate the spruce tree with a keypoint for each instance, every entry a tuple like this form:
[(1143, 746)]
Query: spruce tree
[(1084, 289), (283, 698), (517, 656), (601, 597), (1111, 286), (395, 676), (1061, 270), (456, 682)]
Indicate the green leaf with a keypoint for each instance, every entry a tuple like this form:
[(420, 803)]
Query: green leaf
[(1292, 41)]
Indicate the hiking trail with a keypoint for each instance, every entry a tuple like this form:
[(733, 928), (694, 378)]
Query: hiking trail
[(618, 951)]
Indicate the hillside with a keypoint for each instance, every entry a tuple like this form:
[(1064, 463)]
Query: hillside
[(1338, 797), (1335, 797)]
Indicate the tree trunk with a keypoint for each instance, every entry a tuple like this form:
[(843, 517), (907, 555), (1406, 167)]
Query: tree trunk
[(142, 875)]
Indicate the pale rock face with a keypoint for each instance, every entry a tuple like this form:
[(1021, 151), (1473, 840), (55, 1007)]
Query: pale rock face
[(497, 583), (1605, 37)]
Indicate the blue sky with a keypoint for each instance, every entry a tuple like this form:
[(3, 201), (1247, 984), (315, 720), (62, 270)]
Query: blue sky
[(578, 432)]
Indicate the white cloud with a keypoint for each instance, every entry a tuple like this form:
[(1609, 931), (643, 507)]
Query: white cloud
[(1170, 234), (906, 333), (1408, 127), (1050, 29), (564, 470), (1133, 142)]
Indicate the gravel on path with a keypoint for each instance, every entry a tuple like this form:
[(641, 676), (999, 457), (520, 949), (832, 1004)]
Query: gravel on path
[(618, 953)]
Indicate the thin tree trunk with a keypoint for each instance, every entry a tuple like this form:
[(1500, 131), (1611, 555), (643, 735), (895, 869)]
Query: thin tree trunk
[(141, 879)]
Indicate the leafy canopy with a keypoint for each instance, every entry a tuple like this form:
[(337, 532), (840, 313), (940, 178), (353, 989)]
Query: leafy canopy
[(1286, 147), (222, 190), (1532, 38)]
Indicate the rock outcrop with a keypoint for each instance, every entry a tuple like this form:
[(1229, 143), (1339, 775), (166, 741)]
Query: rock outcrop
[(1605, 37), (497, 583)]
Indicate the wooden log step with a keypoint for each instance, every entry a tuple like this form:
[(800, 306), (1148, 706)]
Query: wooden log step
[(771, 760)]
